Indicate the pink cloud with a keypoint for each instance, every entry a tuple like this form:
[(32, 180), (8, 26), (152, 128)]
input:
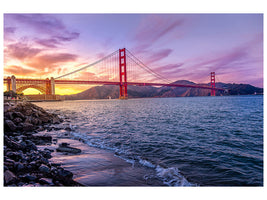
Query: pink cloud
[(18, 70), (21, 51), (51, 60), (87, 76)]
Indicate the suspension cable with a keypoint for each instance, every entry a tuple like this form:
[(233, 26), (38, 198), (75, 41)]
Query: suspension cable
[(146, 68), (88, 65)]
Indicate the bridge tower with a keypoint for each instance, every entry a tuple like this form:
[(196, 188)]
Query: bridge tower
[(212, 83), (123, 74)]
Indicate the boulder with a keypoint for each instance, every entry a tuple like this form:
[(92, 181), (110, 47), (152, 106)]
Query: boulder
[(64, 176), (12, 144), (29, 177), (7, 107), (44, 119), (9, 125), (17, 120), (41, 139), (19, 167), (64, 147), (47, 181), (43, 168), (56, 119), (9, 115), (9, 177), (27, 127), (19, 114)]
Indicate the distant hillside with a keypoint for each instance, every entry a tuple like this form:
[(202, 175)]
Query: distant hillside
[(106, 91)]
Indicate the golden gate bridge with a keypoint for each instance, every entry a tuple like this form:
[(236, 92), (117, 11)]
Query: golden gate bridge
[(120, 68)]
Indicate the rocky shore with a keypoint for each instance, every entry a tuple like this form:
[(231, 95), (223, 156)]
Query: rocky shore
[(24, 163)]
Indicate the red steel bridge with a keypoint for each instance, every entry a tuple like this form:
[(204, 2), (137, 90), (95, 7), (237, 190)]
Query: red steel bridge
[(120, 68)]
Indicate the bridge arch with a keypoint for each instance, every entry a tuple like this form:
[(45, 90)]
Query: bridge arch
[(37, 87)]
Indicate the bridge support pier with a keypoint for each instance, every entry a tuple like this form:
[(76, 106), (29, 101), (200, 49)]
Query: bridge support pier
[(13, 83), (123, 74), (52, 80), (47, 86), (212, 83), (8, 86)]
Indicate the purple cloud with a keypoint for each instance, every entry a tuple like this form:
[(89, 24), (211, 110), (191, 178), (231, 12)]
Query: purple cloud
[(8, 30), (21, 51), (152, 29), (40, 22), (51, 43), (169, 68), (239, 63), (161, 54), (49, 25), (68, 36)]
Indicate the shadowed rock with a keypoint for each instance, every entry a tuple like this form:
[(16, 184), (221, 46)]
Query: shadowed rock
[(64, 147)]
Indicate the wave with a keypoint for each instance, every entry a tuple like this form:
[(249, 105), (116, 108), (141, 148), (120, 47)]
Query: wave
[(169, 176)]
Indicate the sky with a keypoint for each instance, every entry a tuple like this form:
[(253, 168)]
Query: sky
[(177, 46)]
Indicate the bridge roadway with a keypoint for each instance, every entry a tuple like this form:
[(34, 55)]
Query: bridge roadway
[(84, 82)]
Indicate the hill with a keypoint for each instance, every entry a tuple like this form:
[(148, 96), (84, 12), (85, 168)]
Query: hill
[(112, 91)]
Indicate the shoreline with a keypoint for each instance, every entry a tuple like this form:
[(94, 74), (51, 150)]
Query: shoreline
[(99, 167), (48, 167)]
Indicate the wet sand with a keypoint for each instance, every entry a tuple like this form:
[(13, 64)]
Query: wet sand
[(98, 167)]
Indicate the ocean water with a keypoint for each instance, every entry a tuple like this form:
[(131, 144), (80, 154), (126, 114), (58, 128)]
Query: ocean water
[(187, 141)]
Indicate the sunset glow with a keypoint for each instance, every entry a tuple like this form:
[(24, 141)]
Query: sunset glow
[(177, 46)]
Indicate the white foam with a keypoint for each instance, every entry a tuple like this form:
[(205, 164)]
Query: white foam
[(172, 176), (146, 163)]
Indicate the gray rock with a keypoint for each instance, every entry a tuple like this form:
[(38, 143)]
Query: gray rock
[(68, 129), (43, 168), (20, 167), (17, 120), (27, 127), (64, 147), (9, 177), (47, 181), (29, 177), (10, 125), (19, 114), (40, 139), (7, 107), (28, 112), (63, 176), (28, 119), (35, 121), (20, 184), (30, 145), (9, 115), (44, 119), (13, 144)]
